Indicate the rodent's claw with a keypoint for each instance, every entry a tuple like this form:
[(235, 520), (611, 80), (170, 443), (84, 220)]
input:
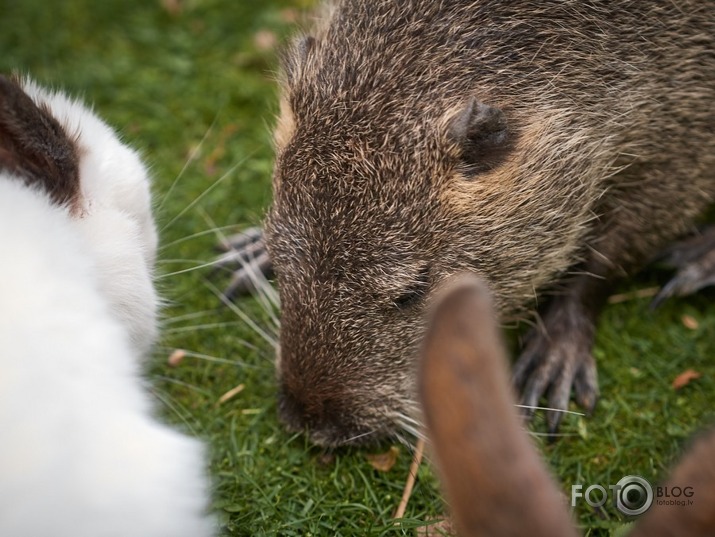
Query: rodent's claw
[(585, 385), (249, 277), (239, 241), (247, 252), (695, 260), (556, 360)]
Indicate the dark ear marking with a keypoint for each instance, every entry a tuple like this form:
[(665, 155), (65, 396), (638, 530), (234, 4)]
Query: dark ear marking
[(482, 133), (35, 147)]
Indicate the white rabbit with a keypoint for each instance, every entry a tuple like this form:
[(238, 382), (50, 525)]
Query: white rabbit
[(81, 453), (495, 481)]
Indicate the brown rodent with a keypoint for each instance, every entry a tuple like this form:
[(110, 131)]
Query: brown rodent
[(550, 147), (494, 479)]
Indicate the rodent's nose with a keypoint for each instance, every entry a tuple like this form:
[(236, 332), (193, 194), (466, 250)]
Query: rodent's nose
[(301, 412), (291, 410), (322, 417)]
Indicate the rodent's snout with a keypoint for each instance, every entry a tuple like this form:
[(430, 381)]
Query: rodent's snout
[(328, 418)]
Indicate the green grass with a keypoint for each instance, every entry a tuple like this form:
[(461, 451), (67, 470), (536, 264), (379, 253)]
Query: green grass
[(198, 84)]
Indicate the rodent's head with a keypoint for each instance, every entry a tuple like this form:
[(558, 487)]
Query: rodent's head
[(392, 174), (360, 232)]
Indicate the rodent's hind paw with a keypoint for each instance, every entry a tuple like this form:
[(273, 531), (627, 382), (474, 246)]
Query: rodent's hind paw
[(246, 253), (556, 360), (694, 259)]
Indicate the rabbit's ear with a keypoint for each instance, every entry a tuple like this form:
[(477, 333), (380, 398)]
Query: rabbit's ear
[(494, 480), (692, 513), (34, 147)]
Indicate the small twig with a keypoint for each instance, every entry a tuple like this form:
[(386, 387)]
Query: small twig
[(230, 394), (640, 293), (411, 477)]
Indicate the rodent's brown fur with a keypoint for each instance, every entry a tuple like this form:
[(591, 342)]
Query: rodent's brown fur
[(395, 169)]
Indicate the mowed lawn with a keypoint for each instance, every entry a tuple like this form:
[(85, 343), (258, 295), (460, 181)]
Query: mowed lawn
[(193, 89)]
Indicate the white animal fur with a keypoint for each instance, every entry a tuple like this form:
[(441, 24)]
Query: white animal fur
[(80, 452)]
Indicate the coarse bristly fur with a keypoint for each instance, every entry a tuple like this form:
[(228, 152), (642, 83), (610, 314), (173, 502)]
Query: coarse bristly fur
[(81, 452), (550, 147)]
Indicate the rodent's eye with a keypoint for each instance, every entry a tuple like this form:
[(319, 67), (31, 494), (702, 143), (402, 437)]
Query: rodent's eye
[(415, 292)]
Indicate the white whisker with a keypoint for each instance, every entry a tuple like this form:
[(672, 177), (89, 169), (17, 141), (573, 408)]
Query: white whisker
[(177, 261), (266, 294), (187, 317), (194, 236), (217, 360), (184, 271), (206, 326), (205, 192), (192, 157), (551, 409), (188, 385), (554, 435), (361, 435), (245, 318)]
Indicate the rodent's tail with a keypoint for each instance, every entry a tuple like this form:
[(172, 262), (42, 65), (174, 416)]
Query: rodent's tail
[(494, 479)]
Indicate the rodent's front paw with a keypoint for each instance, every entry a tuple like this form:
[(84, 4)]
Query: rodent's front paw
[(556, 359), (694, 259), (247, 252)]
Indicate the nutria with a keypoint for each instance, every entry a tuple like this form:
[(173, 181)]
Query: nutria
[(551, 147)]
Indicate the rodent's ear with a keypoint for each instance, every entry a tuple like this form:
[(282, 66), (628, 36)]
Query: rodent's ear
[(482, 133), (294, 57), (34, 146)]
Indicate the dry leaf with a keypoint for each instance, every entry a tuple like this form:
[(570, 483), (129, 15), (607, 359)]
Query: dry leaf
[(684, 378), (176, 357), (383, 462), (689, 322), (439, 529)]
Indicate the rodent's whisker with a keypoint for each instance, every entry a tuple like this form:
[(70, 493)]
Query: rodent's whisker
[(406, 423), (264, 291), (206, 326), (208, 190), (178, 261), (361, 435), (194, 236), (192, 387), (243, 316), (215, 359), (184, 271), (187, 317), (551, 435), (192, 157), (532, 407)]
